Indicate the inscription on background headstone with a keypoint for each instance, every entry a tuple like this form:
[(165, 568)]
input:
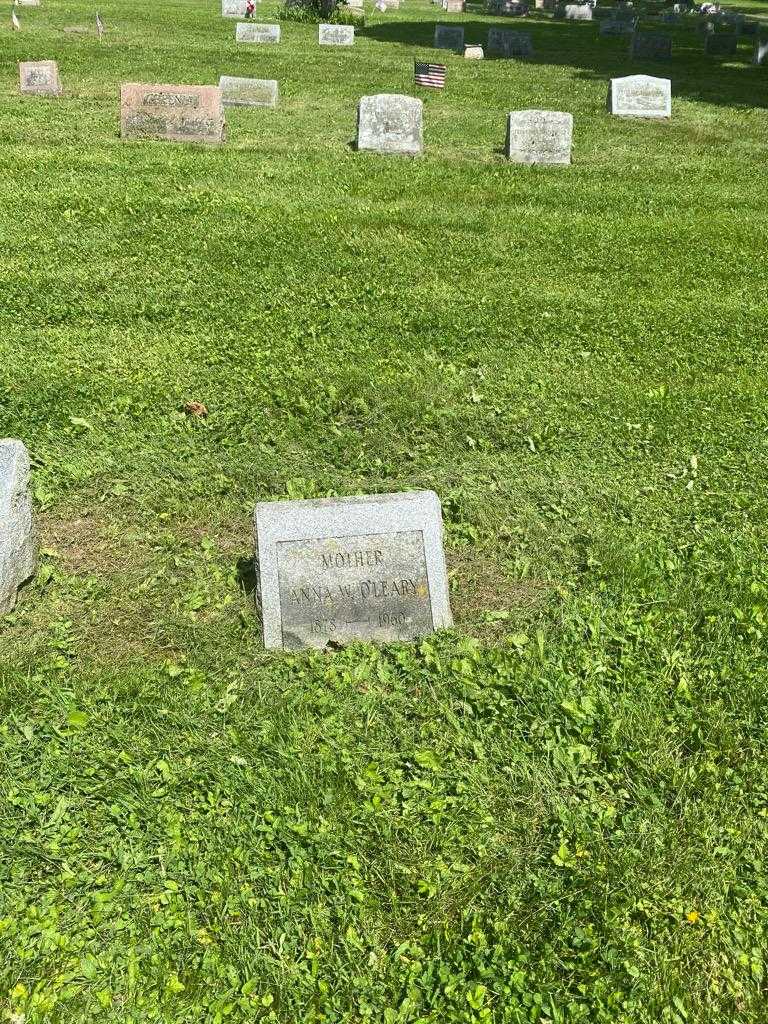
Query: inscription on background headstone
[(338, 570), (248, 92), (760, 53), (39, 78), (721, 44), (449, 37), (389, 123), (18, 539), (176, 113), (503, 42), (539, 137), (233, 8), (336, 35), (640, 96), (650, 46), (249, 32)]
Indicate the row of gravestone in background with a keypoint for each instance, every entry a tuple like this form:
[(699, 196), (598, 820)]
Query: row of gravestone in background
[(385, 123), (330, 570)]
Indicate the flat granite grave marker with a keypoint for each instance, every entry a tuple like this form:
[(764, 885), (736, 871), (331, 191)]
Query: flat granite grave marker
[(539, 137), (760, 53), (248, 92), (175, 113), (39, 78), (503, 42), (345, 569), (449, 37), (389, 123), (721, 44), (336, 35), (650, 46), (18, 538), (250, 32), (640, 96)]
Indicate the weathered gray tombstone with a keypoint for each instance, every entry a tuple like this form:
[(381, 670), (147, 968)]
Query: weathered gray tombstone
[(617, 27), (760, 52), (640, 96), (18, 537), (388, 123), (250, 32), (454, 6), (503, 42), (248, 92), (578, 12), (338, 570), (449, 37), (39, 78), (749, 28), (175, 113), (650, 46), (233, 8), (336, 35), (721, 44), (539, 137)]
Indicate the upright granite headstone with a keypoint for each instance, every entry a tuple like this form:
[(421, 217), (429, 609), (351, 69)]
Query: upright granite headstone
[(503, 42), (389, 123), (176, 113), (454, 6), (18, 538), (248, 92), (336, 35), (250, 32), (539, 137), (449, 37), (345, 569), (760, 52), (39, 77), (650, 46), (640, 96), (578, 12), (473, 52), (721, 44), (617, 27), (233, 8)]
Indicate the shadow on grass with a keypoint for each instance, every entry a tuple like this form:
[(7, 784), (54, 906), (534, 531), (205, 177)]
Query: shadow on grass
[(729, 81)]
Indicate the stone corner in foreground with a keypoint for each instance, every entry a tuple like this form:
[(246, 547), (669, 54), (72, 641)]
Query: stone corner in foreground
[(390, 123), (18, 538), (351, 569)]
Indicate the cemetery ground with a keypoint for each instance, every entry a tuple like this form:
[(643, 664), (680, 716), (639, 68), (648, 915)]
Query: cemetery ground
[(555, 812)]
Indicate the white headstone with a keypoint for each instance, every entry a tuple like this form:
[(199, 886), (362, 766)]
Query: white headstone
[(336, 35), (473, 53), (760, 52), (248, 92), (233, 8), (346, 569), (389, 123), (578, 12), (250, 32), (640, 96), (39, 77), (539, 137), (18, 539)]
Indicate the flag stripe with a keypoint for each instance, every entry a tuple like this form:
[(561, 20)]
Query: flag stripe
[(431, 76)]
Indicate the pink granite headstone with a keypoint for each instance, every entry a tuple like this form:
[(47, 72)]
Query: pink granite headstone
[(177, 113)]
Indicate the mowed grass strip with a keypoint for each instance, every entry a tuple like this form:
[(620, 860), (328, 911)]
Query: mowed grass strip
[(555, 812)]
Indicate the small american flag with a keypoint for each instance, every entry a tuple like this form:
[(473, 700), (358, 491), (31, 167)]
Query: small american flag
[(432, 76), (99, 25), (15, 23)]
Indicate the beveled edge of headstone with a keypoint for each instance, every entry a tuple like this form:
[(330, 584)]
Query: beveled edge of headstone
[(308, 520), (615, 82), (37, 63)]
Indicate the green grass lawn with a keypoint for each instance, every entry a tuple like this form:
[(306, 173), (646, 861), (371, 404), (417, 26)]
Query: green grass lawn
[(558, 811)]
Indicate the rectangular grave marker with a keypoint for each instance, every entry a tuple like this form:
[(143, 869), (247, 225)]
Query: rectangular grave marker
[(539, 137), (650, 46), (578, 12), (248, 92), (336, 35), (175, 113), (345, 569), (503, 42), (233, 8), (640, 96), (250, 32), (449, 37), (721, 44), (617, 27), (389, 123), (39, 78)]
